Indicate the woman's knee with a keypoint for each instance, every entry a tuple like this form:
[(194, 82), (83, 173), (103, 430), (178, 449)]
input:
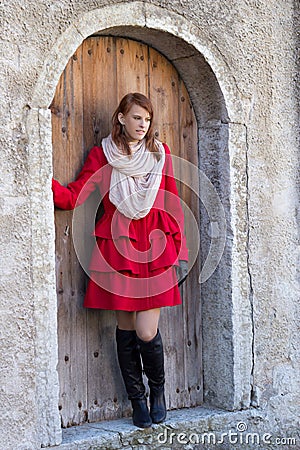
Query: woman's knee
[(146, 335), (147, 324)]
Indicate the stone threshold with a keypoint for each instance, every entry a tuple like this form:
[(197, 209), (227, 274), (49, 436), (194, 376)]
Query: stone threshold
[(190, 428)]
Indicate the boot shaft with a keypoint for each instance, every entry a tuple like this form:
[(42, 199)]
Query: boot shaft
[(153, 363), (130, 363), (152, 354)]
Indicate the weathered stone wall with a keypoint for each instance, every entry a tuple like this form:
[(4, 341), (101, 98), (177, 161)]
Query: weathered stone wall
[(251, 47)]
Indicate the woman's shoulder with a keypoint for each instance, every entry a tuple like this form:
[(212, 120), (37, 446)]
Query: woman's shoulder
[(96, 151), (166, 148), (96, 154)]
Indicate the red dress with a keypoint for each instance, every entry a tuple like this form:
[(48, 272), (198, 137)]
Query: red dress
[(132, 265)]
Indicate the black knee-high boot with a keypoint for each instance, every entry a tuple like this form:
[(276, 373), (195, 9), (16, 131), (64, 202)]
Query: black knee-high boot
[(153, 364), (131, 369)]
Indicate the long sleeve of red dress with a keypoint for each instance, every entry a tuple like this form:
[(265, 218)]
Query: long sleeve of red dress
[(76, 192)]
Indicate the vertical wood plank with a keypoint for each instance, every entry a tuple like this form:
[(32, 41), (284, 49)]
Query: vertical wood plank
[(99, 88), (163, 80), (132, 67), (67, 145), (191, 288)]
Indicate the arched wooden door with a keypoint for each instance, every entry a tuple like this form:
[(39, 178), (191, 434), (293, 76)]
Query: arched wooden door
[(97, 76)]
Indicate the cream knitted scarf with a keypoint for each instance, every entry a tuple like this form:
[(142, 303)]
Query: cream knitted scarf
[(135, 179)]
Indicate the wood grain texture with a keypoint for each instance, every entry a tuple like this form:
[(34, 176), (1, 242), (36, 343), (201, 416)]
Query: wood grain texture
[(98, 75)]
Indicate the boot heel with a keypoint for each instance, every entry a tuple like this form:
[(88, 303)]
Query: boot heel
[(158, 411), (140, 416), (153, 362)]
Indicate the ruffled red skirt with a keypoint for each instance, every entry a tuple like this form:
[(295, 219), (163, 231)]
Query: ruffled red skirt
[(133, 263)]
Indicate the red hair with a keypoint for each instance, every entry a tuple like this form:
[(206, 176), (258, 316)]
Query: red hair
[(124, 107)]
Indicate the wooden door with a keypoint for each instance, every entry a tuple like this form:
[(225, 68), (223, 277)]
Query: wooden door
[(97, 76)]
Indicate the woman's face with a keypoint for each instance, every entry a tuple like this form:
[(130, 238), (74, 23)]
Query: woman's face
[(136, 123)]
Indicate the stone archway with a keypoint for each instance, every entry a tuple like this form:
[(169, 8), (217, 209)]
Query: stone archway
[(221, 115)]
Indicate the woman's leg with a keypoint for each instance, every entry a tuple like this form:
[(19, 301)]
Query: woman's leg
[(151, 348), (131, 368), (146, 334), (146, 324), (126, 320)]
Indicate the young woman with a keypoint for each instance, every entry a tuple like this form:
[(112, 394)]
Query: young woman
[(140, 251)]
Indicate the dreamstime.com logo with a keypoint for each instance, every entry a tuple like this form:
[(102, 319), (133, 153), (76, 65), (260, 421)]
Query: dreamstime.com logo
[(199, 187), (238, 437)]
